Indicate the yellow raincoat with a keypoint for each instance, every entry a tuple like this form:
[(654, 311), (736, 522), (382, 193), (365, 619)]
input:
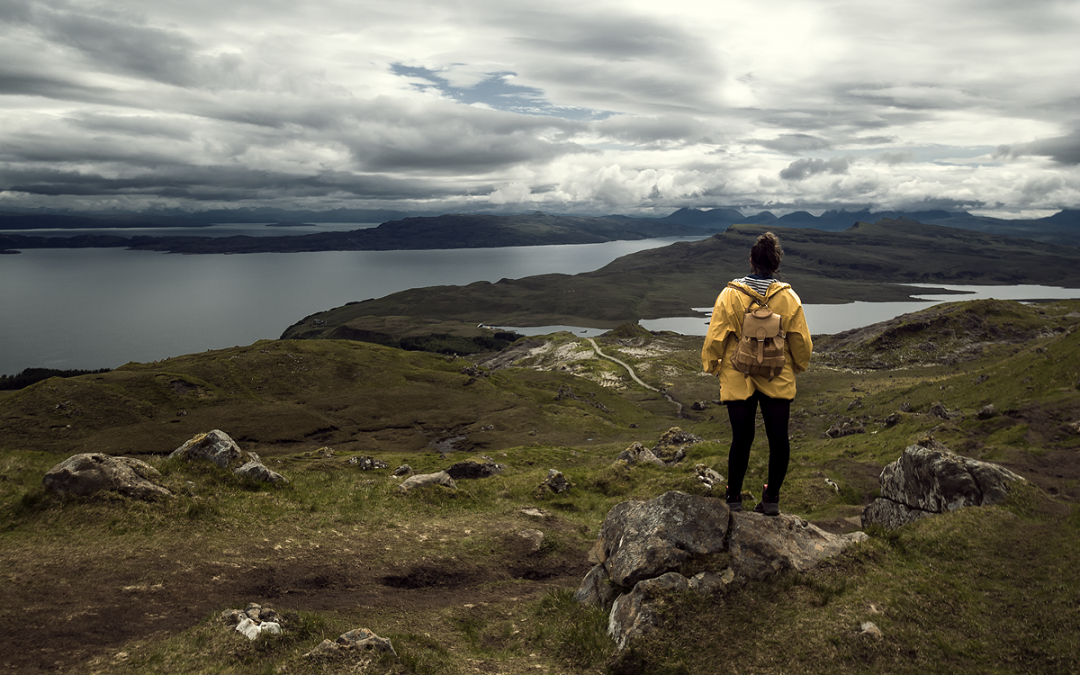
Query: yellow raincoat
[(726, 327)]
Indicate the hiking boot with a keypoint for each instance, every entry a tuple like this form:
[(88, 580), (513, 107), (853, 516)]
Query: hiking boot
[(734, 501), (768, 505)]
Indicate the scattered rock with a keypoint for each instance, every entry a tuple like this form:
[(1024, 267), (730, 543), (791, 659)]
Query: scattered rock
[(87, 473), (870, 629), (252, 630), (214, 446), (845, 427), (986, 412), (931, 480), (533, 513), (673, 445), (938, 410), (639, 454), (471, 469), (708, 477), (255, 470), (892, 420), (253, 621), (425, 479), (358, 640), (857, 403), (365, 463), (699, 405), (534, 539), (555, 482), (474, 372), (403, 470)]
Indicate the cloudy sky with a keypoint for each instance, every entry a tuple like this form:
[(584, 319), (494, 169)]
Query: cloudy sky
[(627, 106)]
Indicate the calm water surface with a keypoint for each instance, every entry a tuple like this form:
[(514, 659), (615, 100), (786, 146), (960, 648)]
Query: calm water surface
[(101, 308)]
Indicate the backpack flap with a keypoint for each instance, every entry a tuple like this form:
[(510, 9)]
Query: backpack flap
[(761, 346)]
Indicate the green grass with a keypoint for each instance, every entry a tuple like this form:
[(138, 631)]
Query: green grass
[(981, 590)]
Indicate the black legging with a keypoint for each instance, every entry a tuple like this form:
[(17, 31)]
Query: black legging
[(775, 412)]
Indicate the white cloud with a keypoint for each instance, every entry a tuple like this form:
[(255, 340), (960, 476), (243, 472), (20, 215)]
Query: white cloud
[(605, 106)]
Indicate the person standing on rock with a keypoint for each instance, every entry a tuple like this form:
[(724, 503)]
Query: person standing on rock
[(743, 394)]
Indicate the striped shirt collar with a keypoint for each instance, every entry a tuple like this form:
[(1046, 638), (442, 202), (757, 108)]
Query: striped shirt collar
[(758, 283)]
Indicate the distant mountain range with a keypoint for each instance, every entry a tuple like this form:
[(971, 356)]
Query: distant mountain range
[(1060, 227), (441, 232)]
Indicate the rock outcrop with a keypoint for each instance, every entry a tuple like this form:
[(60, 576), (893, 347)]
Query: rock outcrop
[(358, 640), (253, 621), (926, 481), (644, 548), (218, 447), (214, 446), (471, 469), (637, 453), (257, 471), (88, 473), (672, 447), (424, 479)]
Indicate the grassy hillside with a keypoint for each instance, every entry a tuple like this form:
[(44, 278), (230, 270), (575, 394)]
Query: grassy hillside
[(867, 262), (444, 573)]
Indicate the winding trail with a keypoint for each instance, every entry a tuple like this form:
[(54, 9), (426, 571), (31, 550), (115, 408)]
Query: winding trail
[(635, 378)]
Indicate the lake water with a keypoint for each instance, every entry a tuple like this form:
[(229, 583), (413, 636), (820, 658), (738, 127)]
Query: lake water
[(829, 319), (101, 308)]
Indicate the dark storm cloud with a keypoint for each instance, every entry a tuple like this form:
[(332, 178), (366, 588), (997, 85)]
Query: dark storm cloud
[(1063, 149), (804, 168), (795, 143), (109, 41), (217, 183)]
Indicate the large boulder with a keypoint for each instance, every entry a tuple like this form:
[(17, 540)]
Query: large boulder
[(931, 480), (762, 547), (596, 589), (88, 473), (214, 446), (639, 612), (644, 546), (641, 540)]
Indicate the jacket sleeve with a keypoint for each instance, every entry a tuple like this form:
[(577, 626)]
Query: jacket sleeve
[(721, 327), (798, 340)]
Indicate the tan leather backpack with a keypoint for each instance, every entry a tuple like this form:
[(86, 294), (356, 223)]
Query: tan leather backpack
[(761, 345)]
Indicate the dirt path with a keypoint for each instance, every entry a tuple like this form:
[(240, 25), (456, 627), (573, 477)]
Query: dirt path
[(635, 378)]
